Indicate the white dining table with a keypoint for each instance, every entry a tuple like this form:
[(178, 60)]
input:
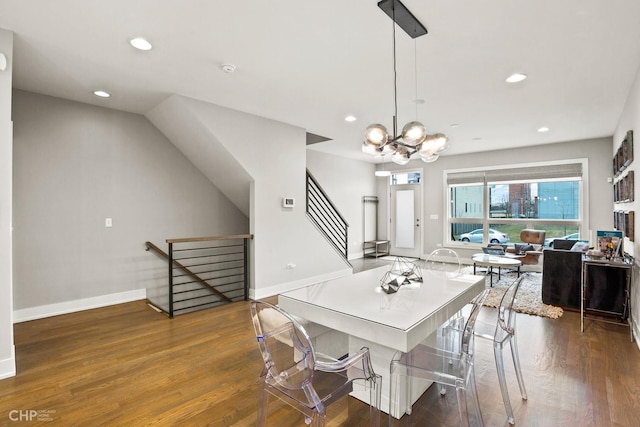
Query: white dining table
[(385, 323)]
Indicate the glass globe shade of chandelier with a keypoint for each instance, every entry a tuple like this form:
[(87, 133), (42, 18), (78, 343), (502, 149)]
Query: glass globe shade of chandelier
[(413, 133), (413, 140), (401, 156)]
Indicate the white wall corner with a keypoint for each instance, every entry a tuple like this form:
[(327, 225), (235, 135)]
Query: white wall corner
[(289, 286), (8, 366), (40, 312)]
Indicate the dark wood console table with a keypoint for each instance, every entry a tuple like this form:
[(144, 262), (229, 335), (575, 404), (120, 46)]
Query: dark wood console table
[(606, 291)]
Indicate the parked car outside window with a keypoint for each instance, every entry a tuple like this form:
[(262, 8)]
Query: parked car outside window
[(572, 236), (475, 236)]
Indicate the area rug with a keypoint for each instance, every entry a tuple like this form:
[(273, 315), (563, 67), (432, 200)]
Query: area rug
[(529, 297)]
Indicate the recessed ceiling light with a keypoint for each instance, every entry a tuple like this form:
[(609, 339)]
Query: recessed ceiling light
[(477, 138), (515, 78), (454, 125), (228, 68), (350, 118), (101, 93), (140, 43), (543, 129)]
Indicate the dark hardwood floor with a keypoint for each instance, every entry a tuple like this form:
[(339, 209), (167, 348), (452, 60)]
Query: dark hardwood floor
[(127, 365)]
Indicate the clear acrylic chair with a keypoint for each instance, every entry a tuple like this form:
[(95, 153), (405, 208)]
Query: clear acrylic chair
[(442, 366), (502, 331), (443, 260), (294, 373)]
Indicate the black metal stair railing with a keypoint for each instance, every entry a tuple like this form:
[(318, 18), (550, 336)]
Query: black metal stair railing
[(204, 272), (326, 216)]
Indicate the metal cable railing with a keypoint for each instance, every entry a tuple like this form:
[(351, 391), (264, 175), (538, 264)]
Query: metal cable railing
[(326, 216), (204, 272)]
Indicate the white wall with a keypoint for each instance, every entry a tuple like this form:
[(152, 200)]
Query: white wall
[(630, 120), (77, 164), (203, 149), (346, 182), (7, 354), (274, 155)]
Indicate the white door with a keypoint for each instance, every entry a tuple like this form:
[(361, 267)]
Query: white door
[(405, 220)]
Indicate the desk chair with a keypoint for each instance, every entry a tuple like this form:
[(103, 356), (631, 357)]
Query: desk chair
[(502, 332), (294, 373), (443, 260), (442, 366)]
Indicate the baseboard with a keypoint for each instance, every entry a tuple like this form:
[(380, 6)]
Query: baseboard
[(289, 286), (49, 310), (356, 255), (8, 366)]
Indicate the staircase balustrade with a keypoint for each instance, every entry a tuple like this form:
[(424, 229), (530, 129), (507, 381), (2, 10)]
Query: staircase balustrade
[(326, 216), (204, 272)]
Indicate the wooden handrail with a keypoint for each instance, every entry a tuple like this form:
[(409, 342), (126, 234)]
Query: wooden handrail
[(186, 270), (205, 239)]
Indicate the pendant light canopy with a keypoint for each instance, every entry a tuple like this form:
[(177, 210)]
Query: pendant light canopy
[(414, 138)]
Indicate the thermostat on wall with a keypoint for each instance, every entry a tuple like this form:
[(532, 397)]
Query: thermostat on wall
[(288, 202)]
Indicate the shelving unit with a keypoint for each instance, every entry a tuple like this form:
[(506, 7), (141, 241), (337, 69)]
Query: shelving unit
[(372, 246), (376, 248), (605, 294)]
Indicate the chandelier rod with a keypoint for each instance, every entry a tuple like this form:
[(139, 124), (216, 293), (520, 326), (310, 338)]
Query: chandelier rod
[(395, 73), (415, 73)]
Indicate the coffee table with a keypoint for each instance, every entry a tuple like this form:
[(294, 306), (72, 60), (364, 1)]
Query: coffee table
[(491, 261)]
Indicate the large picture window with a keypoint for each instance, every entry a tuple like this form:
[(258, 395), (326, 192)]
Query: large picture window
[(494, 205)]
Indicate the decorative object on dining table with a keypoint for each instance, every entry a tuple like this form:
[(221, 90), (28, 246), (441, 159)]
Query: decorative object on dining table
[(391, 283), (403, 272), (408, 268)]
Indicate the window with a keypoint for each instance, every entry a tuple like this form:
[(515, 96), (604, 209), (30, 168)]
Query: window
[(494, 205), (405, 178)]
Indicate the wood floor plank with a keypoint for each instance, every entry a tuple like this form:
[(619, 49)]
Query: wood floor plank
[(127, 365)]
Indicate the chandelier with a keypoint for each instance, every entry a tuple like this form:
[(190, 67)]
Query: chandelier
[(414, 138)]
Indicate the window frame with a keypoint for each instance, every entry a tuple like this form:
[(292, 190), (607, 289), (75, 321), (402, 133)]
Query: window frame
[(487, 222)]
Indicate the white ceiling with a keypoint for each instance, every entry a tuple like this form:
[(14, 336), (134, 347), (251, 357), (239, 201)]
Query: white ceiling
[(310, 63)]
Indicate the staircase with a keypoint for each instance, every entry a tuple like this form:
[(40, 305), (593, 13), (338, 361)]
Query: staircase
[(326, 217), (203, 272)]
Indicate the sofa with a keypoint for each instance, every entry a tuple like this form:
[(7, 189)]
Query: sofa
[(562, 275)]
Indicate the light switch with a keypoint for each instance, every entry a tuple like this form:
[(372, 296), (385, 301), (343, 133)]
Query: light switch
[(108, 222)]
